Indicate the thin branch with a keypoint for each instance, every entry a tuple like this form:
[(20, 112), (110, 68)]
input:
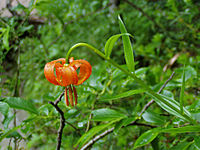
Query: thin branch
[(62, 124), (9, 7), (166, 82), (62, 120), (160, 90), (75, 128), (59, 98), (96, 138)]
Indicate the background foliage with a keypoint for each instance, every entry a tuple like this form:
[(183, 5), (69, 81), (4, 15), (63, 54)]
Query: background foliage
[(166, 37)]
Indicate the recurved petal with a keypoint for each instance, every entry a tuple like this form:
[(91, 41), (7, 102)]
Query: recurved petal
[(62, 60), (85, 70), (49, 70)]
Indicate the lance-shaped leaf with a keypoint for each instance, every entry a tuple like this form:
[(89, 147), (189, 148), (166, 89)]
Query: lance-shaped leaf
[(153, 118), (107, 114), (150, 135), (185, 129), (123, 95), (128, 50), (171, 106), (92, 132), (110, 43), (146, 137), (4, 108)]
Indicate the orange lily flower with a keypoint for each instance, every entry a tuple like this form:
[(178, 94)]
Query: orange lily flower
[(59, 73)]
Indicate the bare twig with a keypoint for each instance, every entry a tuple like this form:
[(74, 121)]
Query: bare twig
[(9, 7), (59, 98), (160, 90), (96, 138), (75, 128), (166, 82), (62, 125), (62, 120)]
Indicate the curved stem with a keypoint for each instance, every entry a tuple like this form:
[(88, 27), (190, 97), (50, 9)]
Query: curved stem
[(138, 80), (88, 46)]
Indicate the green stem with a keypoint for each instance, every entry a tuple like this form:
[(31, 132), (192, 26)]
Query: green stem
[(88, 46), (132, 75)]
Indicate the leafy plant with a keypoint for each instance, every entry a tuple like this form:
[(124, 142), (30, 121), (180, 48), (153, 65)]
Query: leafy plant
[(142, 93)]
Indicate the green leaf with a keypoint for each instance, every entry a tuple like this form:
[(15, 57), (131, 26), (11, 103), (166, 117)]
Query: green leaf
[(123, 95), (141, 71), (197, 142), (122, 123), (146, 137), (14, 134), (190, 72), (6, 121), (128, 50), (182, 91), (107, 114), (6, 38), (9, 131), (92, 132), (180, 146), (150, 135), (153, 118), (4, 108), (182, 129), (189, 146), (19, 103), (110, 43), (171, 106)]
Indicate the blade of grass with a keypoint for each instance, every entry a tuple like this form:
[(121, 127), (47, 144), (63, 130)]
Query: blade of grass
[(182, 91)]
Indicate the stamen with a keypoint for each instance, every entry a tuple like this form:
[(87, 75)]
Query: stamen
[(71, 96), (75, 95), (66, 98)]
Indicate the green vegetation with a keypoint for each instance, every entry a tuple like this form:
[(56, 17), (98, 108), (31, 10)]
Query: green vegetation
[(143, 92)]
